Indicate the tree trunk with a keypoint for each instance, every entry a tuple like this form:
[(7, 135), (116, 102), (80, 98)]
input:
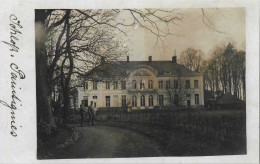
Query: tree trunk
[(44, 112), (68, 78)]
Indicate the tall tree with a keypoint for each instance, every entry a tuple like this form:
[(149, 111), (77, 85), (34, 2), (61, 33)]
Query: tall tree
[(44, 113), (228, 54), (76, 35), (225, 71), (191, 59)]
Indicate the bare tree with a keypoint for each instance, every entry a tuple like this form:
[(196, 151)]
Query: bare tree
[(44, 114), (191, 59), (71, 31), (177, 95), (177, 92), (225, 71), (238, 74)]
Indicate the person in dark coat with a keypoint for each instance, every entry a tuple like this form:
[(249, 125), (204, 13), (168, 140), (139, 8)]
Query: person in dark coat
[(91, 113), (82, 113)]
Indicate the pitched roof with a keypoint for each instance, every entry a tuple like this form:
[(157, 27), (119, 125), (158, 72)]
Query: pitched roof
[(163, 67), (120, 68)]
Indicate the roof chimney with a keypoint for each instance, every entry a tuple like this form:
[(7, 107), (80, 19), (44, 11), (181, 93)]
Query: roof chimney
[(150, 58), (127, 58), (174, 59)]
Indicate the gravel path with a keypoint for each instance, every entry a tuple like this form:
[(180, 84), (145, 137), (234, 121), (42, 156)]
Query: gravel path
[(109, 142)]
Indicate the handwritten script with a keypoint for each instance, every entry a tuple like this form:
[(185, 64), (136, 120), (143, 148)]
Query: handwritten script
[(15, 72)]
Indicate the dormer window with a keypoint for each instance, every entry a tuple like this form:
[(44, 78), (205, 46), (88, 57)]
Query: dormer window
[(167, 72)]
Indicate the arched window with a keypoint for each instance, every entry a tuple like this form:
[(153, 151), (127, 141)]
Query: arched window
[(151, 100), (142, 98), (133, 84), (134, 101), (142, 84), (150, 84)]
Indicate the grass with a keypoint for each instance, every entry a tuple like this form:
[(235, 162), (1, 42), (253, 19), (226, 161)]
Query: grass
[(48, 146), (182, 142)]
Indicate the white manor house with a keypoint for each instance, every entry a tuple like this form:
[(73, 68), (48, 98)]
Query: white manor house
[(142, 85)]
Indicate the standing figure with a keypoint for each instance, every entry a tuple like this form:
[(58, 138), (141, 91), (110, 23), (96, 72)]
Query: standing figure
[(91, 113), (82, 112)]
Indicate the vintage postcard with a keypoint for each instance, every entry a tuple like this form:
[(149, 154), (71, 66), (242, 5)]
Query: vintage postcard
[(129, 81)]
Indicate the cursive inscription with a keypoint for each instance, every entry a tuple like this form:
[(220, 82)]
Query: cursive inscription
[(14, 26), (15, 72)]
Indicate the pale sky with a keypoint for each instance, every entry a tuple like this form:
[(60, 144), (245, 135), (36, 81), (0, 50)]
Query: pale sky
[(191, 32)]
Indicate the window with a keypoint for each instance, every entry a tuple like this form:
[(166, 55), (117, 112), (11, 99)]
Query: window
[(167, 72), (94, 85), (176, 99), (187, 95), (161, 84), (85, 85), (133, 84), (134, 101), (160, 100), (150, 84), (196, 84), (107, 85), (94, 97), (107, 101), (175, 84), (115, 85), (196, 98), (123, 84), (187, 83), (142, 84), (85, 100), (142, 98), (123, 100), (168, 84), (151, 100)]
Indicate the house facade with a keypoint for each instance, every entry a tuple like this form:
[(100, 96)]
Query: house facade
[(145, 85)]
